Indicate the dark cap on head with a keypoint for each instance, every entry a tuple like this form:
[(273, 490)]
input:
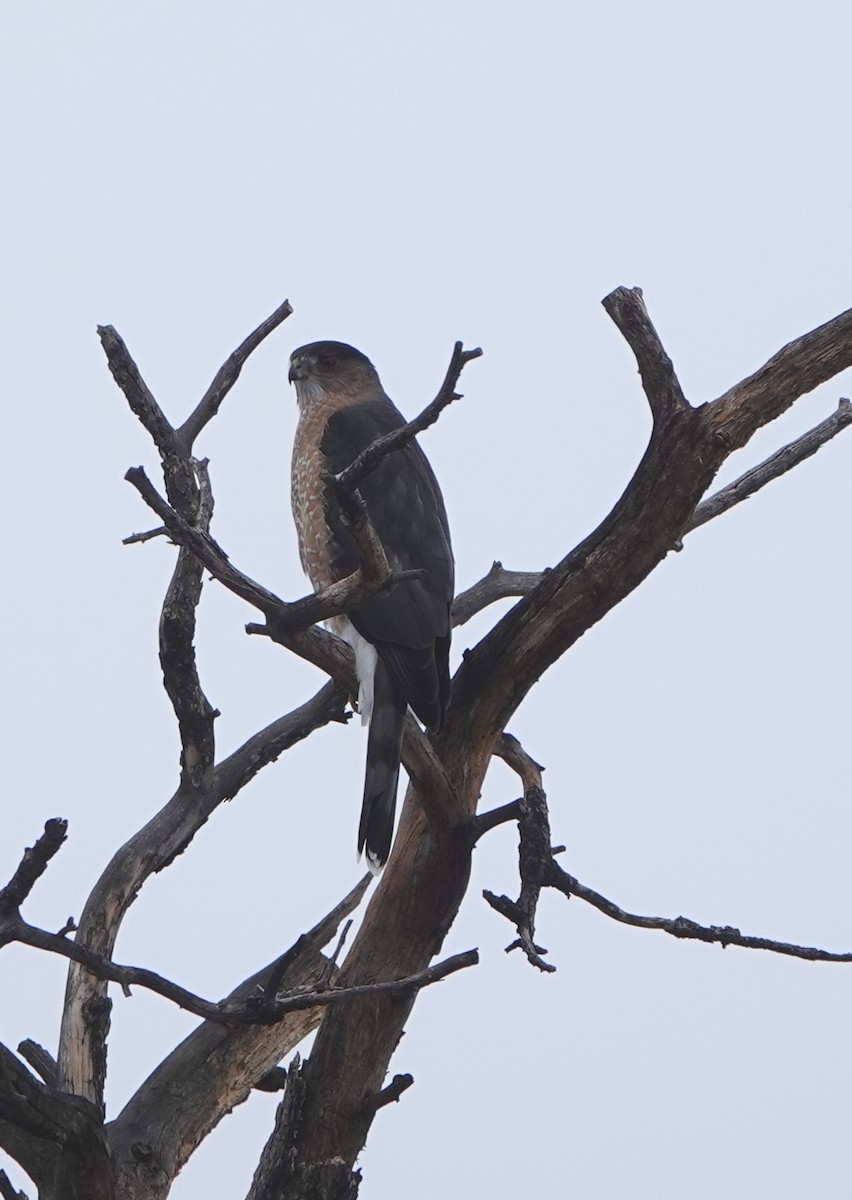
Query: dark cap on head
[(326, 360)]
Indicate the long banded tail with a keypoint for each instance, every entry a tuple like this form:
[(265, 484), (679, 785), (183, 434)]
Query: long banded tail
[(384, 746)]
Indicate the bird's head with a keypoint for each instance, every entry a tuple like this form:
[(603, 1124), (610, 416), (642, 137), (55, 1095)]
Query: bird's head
[(323, 367)]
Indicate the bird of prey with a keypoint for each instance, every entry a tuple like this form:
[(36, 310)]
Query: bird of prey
[(401, 638)]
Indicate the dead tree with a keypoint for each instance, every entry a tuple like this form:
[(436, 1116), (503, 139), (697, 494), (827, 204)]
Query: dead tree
[(51, 1110)]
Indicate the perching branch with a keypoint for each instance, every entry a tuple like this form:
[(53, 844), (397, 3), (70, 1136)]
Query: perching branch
[(283, 618), (292, 624)]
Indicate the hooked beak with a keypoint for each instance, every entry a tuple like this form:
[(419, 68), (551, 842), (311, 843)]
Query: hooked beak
[(294, 373)]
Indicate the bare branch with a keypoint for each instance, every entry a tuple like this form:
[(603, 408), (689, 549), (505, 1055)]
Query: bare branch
[(105, 969), (684, 454), (265, 1011), (204, 547), (369, 459), (440, 798), (391, 1093), (32, 866), (284, 619), (7, 1189), (665, 396), (778, 464), (133, 538), (683, 927), (374, 565), (280, 1171), (264, 747), (331, 966), (498, 584), (482, 823), (151, 849), (515, 756), (217, 1066), (796, 369), (195, 715), (127, 375), (39, 1126), (534, 851), (227, 376), (274, 1010), (40, 1060)]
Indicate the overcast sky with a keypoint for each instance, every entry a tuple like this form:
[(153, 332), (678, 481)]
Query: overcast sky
[(409, 175)]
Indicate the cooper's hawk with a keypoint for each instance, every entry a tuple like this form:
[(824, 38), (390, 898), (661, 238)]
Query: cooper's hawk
[(401, 638)]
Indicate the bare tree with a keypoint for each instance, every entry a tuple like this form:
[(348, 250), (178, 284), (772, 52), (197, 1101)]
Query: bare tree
[(52, 1111)]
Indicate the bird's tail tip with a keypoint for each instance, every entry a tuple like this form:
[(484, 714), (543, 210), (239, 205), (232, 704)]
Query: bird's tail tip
[(375, 864)]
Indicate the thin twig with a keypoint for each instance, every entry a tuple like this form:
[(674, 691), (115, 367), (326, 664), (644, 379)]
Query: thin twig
[(498, 584), (283, 617), (134, 538), (227, 376), (369, 459), (683, 927), (774, 467), (260, 1011), (330, 969)]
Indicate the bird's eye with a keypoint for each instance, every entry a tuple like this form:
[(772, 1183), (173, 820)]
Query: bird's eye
[(326, 361)]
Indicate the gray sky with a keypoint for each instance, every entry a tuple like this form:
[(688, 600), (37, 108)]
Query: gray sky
[(483, 171)]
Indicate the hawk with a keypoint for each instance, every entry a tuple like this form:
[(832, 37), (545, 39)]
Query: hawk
[(401, 638)]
